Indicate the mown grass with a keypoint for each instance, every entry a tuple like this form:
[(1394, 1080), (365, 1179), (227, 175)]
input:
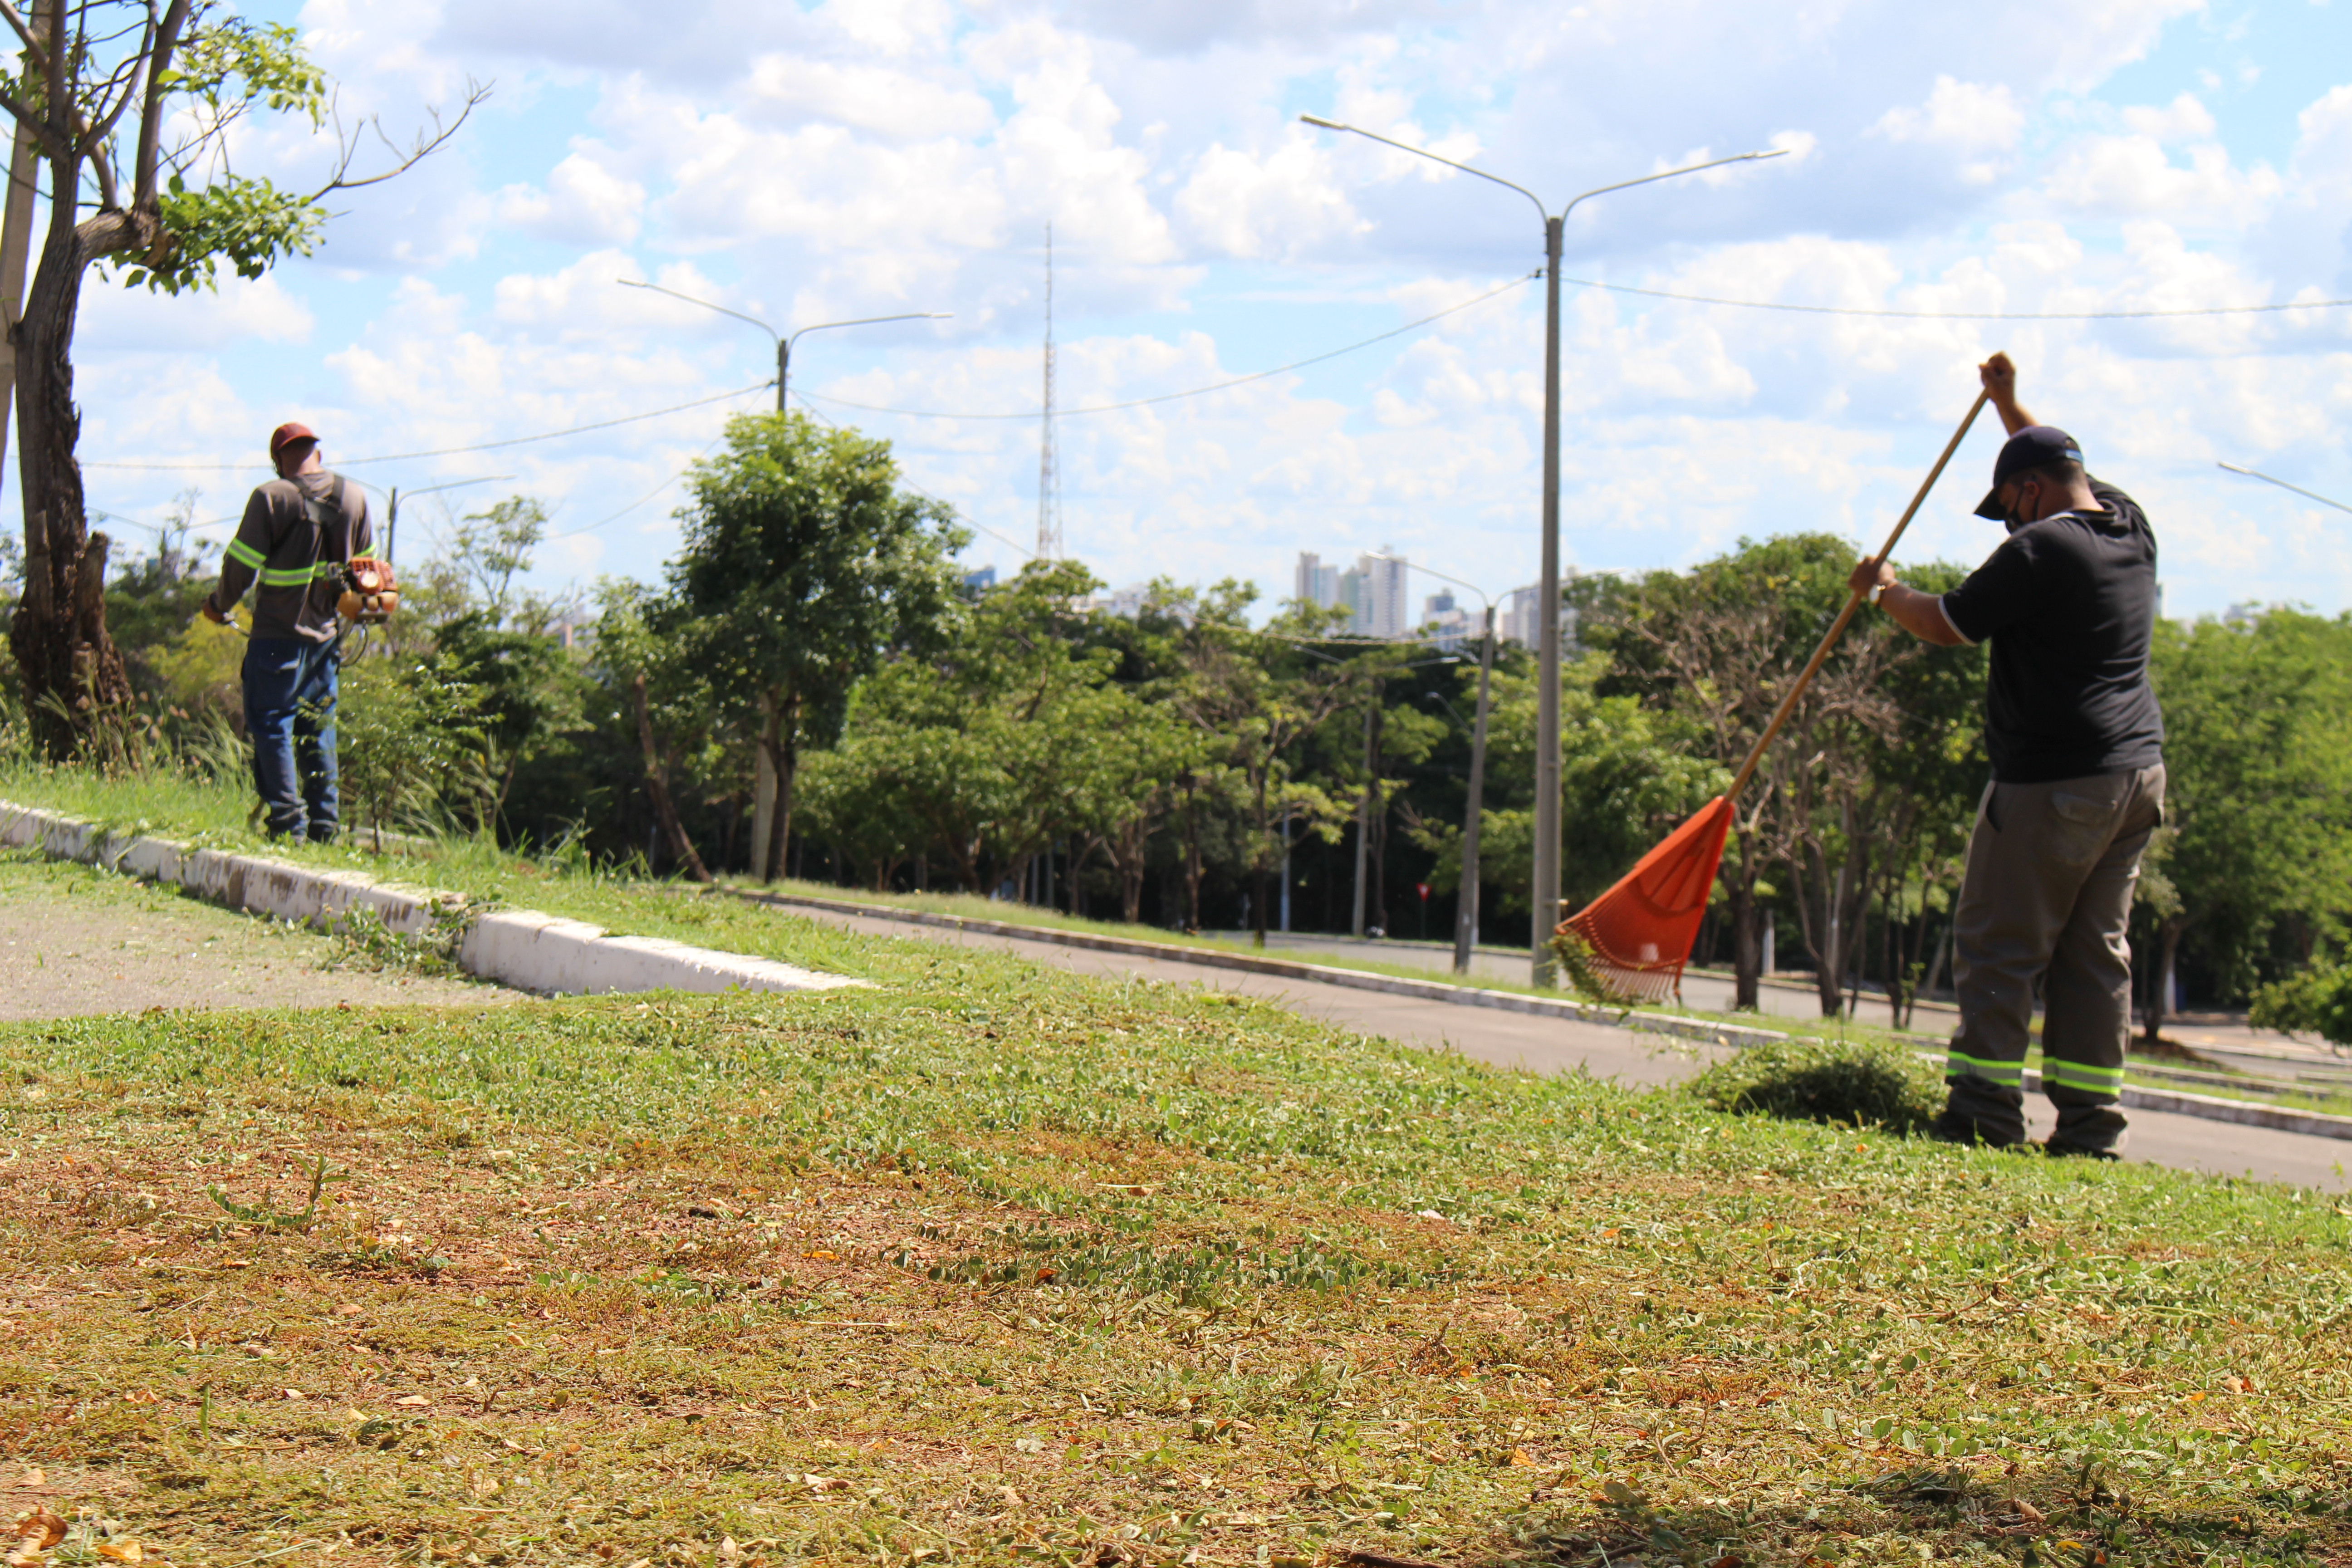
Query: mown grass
[(998, 1263), (477, 868)]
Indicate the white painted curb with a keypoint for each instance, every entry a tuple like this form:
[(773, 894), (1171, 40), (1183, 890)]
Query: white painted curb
[(521, 948)]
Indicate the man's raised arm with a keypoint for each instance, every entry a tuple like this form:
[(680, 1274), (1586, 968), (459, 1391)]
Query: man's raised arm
[(1999, 378)]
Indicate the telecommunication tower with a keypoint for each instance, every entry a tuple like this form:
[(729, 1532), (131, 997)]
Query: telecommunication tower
[(1049, 466)]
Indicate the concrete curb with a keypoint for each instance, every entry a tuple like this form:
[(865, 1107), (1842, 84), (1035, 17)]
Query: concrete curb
[(2210, 1107), (521, 948)]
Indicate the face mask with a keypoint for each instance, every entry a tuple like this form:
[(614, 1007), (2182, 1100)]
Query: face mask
[(2016, 519)]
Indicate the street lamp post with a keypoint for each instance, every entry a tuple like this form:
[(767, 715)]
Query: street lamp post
[(1545, 893), (784, 341)]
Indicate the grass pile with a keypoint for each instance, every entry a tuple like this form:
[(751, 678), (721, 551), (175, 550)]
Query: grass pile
[(1857, 1082), (996, 1264)]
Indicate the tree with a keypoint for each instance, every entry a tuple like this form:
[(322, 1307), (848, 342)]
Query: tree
[(1006, 741), (488, 549), (652, 658), (1259, 695), (807, 567), (409, 739), (2258, 801), (131, 105)]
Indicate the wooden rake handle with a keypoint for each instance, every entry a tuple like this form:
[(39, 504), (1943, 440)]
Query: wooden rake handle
[(1853, 601)]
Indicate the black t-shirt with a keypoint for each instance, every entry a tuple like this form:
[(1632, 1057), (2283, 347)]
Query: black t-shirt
[(2068, 604)]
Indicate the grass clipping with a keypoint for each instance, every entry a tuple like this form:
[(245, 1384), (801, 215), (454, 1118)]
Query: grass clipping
[(1860, 1083)]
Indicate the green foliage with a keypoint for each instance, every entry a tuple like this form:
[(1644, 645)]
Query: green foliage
[(2313, 1001), (225, 68), (2258, 753), (410, 742), (228, 64), (1860, 1083), (251, 223), (488, 549), (992, 749), (807, 567)]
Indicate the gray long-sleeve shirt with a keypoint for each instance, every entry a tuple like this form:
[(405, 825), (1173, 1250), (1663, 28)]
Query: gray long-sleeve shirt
[(296, 538)]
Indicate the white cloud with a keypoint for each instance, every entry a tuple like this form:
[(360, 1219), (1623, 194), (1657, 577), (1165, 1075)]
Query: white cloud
[(2182, 120), (1246, 206), (1972, 121), (2119, 177), (584, 202), (896, 104)]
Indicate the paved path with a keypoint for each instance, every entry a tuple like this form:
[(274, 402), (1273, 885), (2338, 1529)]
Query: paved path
[(76, 941), (1543, 1045), (2229, 1041)]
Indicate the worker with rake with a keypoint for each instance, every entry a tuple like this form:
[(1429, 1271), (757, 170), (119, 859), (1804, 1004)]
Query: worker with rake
[(2068, 604)]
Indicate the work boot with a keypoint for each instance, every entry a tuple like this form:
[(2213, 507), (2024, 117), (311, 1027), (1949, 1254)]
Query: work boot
[(2095, 1130), (1955, 1126)]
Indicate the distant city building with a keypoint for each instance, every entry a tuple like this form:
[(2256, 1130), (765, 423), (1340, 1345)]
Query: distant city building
[(1521, 620), (979, 581), (1372, 592), (1127, 602), (1445, 625), (1318, 584)]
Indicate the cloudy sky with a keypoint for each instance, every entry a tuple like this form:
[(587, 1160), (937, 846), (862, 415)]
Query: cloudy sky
[(812, 163)]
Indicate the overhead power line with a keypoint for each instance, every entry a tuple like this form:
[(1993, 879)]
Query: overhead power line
[(1197, 391), (454, 451), (1959, 315)]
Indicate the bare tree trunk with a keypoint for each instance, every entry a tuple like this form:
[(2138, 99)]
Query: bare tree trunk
[(59, 636), (16, 248), (2159, 1002), (1747, 947), (1192, 866), (782, 746), (1257, 863), (657, 787)]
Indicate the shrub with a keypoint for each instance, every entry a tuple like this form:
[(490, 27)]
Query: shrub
[(1857, 1082), (2315, 1001)]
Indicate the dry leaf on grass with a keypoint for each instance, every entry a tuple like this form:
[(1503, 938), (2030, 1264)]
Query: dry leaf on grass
[(36, 1477), (122, 1550), (37, 1529), (413, 1401)]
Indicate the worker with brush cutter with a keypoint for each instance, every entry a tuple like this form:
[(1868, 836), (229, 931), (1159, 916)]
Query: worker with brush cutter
[(303, 539), (2068, 604)]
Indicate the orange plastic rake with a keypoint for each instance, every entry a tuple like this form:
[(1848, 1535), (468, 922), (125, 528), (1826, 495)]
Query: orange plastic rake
[(1636, 937)]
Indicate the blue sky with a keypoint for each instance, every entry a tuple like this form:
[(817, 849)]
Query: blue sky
[(868, 157)]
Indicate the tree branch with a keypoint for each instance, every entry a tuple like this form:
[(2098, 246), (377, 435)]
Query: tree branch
[(128, 77), (31, 40), (30, 122), (151, 112), (424, 147)]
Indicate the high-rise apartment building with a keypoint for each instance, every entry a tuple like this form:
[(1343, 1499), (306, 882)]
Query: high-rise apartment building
[(1520, 620), (1372, 592)]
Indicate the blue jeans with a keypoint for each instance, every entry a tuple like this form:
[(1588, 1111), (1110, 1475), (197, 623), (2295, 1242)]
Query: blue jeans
[(289, 716)]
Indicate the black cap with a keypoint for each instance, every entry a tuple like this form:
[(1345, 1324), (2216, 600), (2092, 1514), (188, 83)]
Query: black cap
[(2035, 447)]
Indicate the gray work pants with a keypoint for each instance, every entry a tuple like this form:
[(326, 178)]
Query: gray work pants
[(2045, 904)]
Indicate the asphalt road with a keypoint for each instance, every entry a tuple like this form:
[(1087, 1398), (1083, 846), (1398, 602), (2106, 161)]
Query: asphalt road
[(1544, 1045)]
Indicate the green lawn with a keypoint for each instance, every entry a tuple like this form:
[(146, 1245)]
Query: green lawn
[(214, 815), (998, 1263)]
